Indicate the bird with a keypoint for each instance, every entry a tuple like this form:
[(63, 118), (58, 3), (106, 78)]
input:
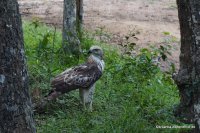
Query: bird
[(82, 77)]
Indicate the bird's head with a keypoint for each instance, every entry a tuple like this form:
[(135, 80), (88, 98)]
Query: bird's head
[(96, 51)]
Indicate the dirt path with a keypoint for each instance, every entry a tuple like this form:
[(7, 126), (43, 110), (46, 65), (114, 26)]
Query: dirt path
[(151, 20)]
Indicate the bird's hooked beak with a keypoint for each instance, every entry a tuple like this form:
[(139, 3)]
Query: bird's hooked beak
[(89, 51)]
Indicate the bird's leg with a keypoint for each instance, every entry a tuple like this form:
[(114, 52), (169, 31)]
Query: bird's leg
[(86, 96), (90, 107), (84, 105), (90, 96), (82, 97)]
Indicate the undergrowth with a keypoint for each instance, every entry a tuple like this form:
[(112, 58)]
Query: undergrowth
[(132, 96)]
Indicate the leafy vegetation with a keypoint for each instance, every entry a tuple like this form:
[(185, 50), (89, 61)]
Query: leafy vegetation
[(133, 95)]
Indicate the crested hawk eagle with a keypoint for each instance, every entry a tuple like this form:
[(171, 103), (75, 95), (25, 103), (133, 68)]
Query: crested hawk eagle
[(82, 77)]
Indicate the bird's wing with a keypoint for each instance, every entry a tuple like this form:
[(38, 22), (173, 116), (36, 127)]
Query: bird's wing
[(82, 76)]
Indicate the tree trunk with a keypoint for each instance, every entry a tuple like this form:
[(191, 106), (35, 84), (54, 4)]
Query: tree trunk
[(188, 77), (72, 20), (79, 16), (16, 114)]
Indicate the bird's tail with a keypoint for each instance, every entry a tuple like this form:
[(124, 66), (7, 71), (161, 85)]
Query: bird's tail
[(49, 93), (53, 94)]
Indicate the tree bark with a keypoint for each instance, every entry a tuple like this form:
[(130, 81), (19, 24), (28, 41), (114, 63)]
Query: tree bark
[(188, 77), (79, 16), (16, 114), (72, 22)]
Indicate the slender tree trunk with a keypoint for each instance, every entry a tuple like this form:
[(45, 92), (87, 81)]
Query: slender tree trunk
[(79, 16), (16, 114), (72, 22), (188, 78)]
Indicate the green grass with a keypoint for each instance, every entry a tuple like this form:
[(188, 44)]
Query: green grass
[(133, 95)]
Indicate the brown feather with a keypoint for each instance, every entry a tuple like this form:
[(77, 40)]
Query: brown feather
[(82, 76)]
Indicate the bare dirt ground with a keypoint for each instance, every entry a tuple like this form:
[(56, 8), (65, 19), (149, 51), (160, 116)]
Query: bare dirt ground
[(153, 22)]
